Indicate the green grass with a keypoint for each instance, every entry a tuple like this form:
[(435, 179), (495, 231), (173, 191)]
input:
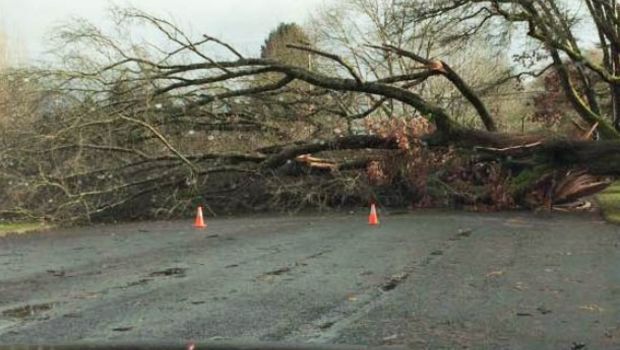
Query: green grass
[(19, 228), (609, 200)]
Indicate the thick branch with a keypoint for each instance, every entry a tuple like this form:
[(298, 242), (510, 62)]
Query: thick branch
[(330, 56), (350, 142), (443, 68)]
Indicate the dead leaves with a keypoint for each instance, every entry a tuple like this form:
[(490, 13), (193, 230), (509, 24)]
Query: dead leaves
[(495, 274), (592, 308), (352, 297)]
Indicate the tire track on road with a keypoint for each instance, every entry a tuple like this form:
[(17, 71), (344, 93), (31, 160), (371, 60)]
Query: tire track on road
[(328, 327)]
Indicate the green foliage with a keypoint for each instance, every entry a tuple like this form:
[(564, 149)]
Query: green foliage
[(19, 228), (527, 179), (609, 200)]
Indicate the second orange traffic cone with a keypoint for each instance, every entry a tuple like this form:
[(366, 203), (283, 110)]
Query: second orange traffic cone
[(200, 221), (373, 219)]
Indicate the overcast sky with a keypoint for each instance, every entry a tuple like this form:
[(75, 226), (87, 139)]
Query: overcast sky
[(244, 23)]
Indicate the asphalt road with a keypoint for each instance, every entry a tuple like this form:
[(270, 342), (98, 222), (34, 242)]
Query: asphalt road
[(425, 280)]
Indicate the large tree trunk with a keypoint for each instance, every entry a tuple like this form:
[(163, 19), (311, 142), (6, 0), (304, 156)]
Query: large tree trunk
[(615, 88), (599, 158)]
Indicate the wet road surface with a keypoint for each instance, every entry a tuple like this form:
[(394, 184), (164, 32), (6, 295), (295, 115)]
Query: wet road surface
[(425, 280)]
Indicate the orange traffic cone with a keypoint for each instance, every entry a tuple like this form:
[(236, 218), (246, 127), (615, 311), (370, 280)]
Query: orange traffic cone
[(373, 219), (200, 222)]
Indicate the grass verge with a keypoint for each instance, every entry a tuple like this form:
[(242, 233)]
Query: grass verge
[(19, 228), (609, 201)]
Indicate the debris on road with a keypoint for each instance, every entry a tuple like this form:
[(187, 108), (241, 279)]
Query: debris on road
[(326, 325), (394, 281), (173, 271), (578, 346), (592, 308), (390, 339), (141, 282), (461, 233), (57, 273), (495, 274), (28, 310), (465, 232), (543, 310), (278, 272), (122, 329), (524, 314)]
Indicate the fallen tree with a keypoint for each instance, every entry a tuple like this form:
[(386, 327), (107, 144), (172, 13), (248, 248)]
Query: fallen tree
[(139, 129)]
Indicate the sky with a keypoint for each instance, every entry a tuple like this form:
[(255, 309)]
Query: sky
[(243, 23)]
